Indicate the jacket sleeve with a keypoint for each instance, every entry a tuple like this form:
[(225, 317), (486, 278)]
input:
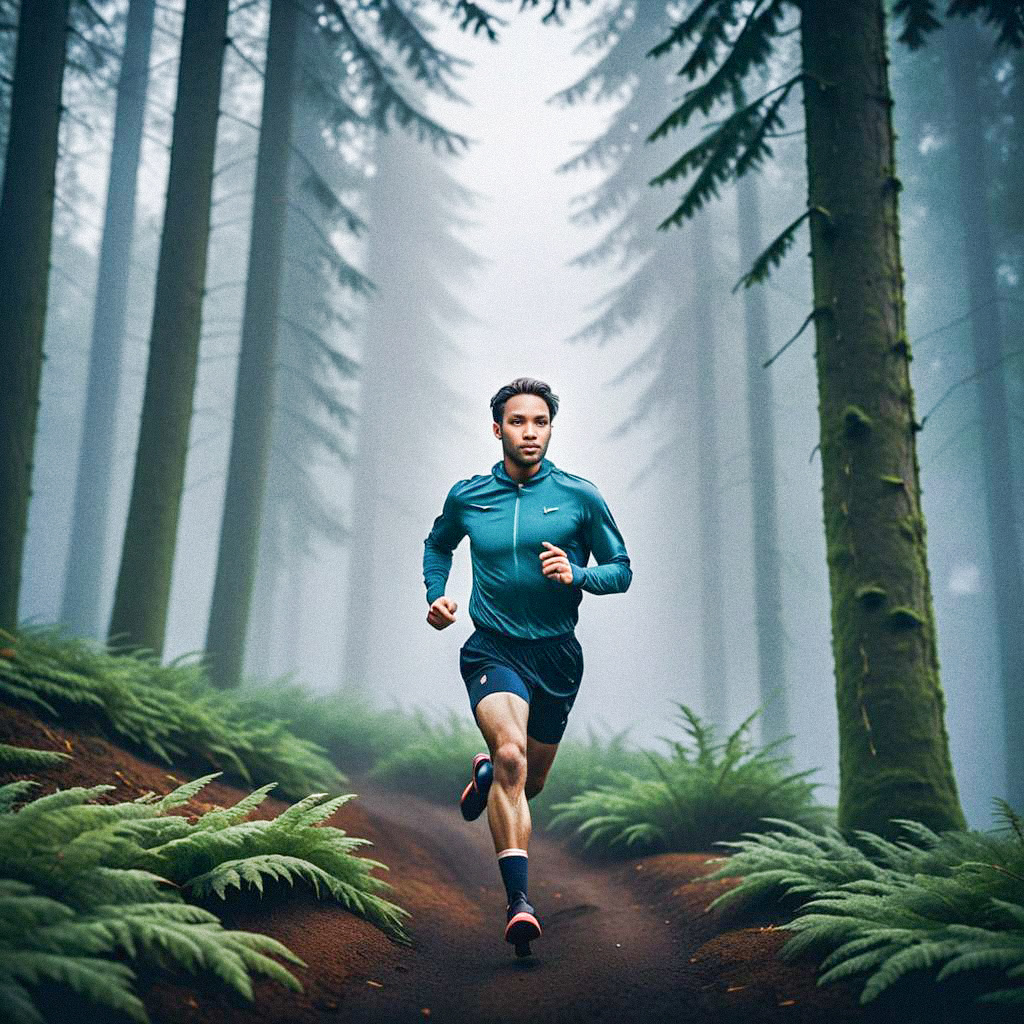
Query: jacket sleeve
[(439, 546), (612, 574)]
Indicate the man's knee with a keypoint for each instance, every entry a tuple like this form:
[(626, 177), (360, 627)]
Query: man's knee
[(510, 764)]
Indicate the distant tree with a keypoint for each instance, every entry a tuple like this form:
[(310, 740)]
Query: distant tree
[(416, 263), (767, 575), (26, 224), (143, 585), (89, 525), (669, 286), (966, 61), (250, 438)]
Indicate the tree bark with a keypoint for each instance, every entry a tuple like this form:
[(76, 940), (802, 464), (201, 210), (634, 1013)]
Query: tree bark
[(250, 440), (143, 587), (893, 748), (963, 63), (771, 654), (89, 525), (26, 226), (709, 540)]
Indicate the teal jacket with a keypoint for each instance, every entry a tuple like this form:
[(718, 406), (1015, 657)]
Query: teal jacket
[(506, 522)]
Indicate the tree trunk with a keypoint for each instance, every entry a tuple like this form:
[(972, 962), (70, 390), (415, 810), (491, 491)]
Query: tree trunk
[(771, 654), (250, 439), (144, 583), (84, 577), (963, 63), (709, 540), (893, 748), (363, 585), (26, 225)]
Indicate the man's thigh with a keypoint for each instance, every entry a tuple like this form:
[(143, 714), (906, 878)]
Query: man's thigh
[(502, 717)]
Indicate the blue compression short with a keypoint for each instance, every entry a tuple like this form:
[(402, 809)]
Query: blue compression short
[(546, 673)]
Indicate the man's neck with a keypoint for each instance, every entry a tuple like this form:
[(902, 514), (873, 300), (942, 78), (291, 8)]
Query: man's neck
[(520, 473)]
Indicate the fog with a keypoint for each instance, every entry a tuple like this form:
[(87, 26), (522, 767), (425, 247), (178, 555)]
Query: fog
[(521, 302)]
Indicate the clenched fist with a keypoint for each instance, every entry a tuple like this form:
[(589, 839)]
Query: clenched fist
[(554, 563), (442, 613)]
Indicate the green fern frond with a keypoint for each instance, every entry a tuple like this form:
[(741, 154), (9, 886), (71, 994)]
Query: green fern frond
[(18, 759)]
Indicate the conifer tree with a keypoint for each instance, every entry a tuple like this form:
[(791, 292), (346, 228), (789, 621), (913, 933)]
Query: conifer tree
[(893, 744), (81, 603), (26, 224)]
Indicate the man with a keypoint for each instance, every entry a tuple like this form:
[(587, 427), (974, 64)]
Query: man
[(532, 528)]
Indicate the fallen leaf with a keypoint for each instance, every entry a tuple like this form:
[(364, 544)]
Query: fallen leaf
[(788, 1002)]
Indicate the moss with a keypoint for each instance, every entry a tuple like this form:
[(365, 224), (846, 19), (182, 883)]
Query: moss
[(856, 422), (896, 481), (840, 555), (871, 595), (909, 527), (903, 617)]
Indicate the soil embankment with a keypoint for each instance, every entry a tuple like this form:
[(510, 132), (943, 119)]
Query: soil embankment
[(625, 941)]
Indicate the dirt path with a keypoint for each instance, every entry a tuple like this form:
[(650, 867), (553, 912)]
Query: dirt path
[(626, 941), (603, 954)]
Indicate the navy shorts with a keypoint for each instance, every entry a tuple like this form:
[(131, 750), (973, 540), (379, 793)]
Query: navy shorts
[(546, 673)]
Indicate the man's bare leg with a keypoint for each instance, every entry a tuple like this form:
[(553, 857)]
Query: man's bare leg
[(502, 719), (539, 758)]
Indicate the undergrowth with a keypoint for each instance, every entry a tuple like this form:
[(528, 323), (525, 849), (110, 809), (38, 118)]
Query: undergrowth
[(437, 765), (84, 885), (170, 711), (699, 793), (936, 904)]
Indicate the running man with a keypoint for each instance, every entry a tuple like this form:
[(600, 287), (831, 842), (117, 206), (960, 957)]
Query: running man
[(532, 528)]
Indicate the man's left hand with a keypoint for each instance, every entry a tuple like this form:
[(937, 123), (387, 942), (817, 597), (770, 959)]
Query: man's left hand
[(555, 563)]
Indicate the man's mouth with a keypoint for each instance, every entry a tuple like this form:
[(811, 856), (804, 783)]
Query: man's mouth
[(531, 447)]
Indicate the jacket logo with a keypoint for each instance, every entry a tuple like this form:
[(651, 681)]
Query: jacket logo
[(547, 510), (484, 507)]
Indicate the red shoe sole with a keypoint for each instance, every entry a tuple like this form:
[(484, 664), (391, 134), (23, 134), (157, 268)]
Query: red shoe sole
[(522, 928)]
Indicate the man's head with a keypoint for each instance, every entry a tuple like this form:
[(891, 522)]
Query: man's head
[(523, 412)]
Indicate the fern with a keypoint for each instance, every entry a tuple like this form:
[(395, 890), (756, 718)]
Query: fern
[(23, 759), (166, 710), (89, 881), (930, 903), (702, 792)]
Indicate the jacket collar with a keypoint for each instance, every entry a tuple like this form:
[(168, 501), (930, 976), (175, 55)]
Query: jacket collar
[(499, 473)]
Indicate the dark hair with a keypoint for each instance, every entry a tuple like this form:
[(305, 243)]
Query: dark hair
[(523, 386)]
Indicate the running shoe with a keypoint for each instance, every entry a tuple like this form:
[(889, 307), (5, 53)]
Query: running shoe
[(522, 926), (474, 796)]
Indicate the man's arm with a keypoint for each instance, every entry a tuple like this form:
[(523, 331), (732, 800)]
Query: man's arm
[(612, 574), (439, 546)]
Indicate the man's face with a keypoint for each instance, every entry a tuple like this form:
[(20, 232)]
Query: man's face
[(525, 429)]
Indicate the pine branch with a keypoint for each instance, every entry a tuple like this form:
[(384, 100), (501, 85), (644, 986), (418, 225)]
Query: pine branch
[(918, 20)]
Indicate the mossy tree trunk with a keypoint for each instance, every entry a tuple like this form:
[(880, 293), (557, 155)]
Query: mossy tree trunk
[(26, 226), (254, 394), (893, 748), (713, 645), (81, 611), (771, 653), (143, 586), (963, 53)]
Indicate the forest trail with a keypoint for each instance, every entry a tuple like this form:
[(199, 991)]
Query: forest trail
[(603, 955), (623, 940)]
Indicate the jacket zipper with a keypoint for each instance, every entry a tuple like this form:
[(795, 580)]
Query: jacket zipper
[(515, 532)]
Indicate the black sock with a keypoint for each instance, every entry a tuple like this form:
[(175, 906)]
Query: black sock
[(513, 866)]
